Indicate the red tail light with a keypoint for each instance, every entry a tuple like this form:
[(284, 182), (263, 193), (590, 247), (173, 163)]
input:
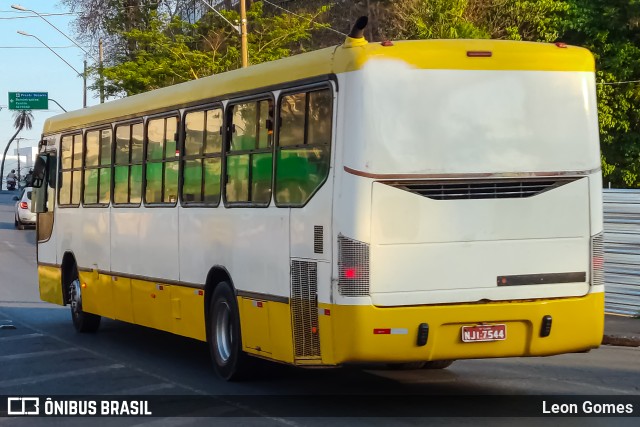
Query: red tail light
[(23, 205), (350, 273)]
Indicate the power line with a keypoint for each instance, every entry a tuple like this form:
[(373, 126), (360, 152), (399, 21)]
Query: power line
[(35, 47), (34, 16), (619, 83), (302, 17)]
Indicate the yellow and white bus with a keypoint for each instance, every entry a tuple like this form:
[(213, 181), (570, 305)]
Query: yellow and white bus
[(409, 202)]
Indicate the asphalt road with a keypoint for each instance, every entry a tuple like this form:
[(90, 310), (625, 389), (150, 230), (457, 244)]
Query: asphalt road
[(43, 355)]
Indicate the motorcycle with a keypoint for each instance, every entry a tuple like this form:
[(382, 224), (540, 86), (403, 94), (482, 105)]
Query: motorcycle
[(11, 185)]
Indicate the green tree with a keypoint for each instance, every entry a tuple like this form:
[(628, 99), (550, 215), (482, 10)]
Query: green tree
[(530, 20), (171, 52), (533, 20), (21, 119), (165, 54), (611, 30), (432, 19)]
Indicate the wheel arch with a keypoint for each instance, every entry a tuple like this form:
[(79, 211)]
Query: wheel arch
[(217, 274), (69, 267)]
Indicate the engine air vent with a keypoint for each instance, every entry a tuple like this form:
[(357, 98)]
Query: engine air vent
[(304, 308), (479, 189), (318, 238)]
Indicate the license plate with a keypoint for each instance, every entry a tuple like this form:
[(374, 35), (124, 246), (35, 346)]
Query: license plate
[(481, 333)]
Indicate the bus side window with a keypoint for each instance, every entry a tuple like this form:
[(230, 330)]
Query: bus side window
[(104, 179), (304, 144), (250, 156), (97, 169), (127, 170), (202, 157), (161, 182), (70, 170)]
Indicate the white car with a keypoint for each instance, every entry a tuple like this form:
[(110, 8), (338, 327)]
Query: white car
[(24, 216)]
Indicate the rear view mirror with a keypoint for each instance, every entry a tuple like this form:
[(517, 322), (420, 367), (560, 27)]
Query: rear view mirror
[(16, 198), (39, 172), (39, 194)]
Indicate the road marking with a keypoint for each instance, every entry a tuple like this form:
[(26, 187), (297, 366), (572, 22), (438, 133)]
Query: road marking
[(587, 386), (11, 245), (175, 422), (20, 337), (48, 377), (35, 354), (146, 389)]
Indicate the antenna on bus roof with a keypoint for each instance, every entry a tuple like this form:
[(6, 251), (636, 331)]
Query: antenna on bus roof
[(356, 36)]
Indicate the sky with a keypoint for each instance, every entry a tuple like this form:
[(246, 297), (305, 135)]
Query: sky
[(27, 66)]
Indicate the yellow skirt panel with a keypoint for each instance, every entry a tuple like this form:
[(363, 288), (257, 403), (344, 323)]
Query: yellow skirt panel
[(50, 284)]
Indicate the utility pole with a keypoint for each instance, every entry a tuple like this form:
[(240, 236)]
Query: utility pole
[(84, 82), (100, 56), (18, 153), (243, 33)]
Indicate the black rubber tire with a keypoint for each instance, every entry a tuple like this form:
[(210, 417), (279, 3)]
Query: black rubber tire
[(18, 224), (225, 340), (437, 364), (83, 322)]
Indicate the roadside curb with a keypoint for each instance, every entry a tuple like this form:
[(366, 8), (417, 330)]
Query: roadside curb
[(621, 340)]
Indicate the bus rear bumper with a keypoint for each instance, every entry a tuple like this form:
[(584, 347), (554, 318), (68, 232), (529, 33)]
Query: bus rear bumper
[(390, 334)]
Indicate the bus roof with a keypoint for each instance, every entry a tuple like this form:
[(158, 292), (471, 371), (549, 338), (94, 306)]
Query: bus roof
[(427, 54)]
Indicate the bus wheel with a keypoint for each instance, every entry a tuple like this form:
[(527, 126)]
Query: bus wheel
[(437, 364), (83, 322), (225, 340)]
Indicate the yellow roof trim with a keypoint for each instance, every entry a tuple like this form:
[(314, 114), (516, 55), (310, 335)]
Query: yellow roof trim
[(452, 55)]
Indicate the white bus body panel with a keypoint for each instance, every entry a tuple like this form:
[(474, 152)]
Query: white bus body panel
[(84, 232), (254, 250), (144, 242)]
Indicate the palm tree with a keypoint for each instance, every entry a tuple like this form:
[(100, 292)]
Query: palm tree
[(21, 119)]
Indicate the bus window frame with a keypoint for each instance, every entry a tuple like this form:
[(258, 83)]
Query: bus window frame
[(99, 166), (145, 143), (114, 125), (72, 169), (220, 104), (226, 144), (314, 87)]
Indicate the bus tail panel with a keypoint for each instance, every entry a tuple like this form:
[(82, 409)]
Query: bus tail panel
[(390, 334), (429, 250)]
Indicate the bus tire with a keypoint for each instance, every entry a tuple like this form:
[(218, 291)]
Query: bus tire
[(437, 364), (225, 339), (82, 321)]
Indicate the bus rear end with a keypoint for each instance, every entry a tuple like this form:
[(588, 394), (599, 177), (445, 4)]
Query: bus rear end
[(468, 204)]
